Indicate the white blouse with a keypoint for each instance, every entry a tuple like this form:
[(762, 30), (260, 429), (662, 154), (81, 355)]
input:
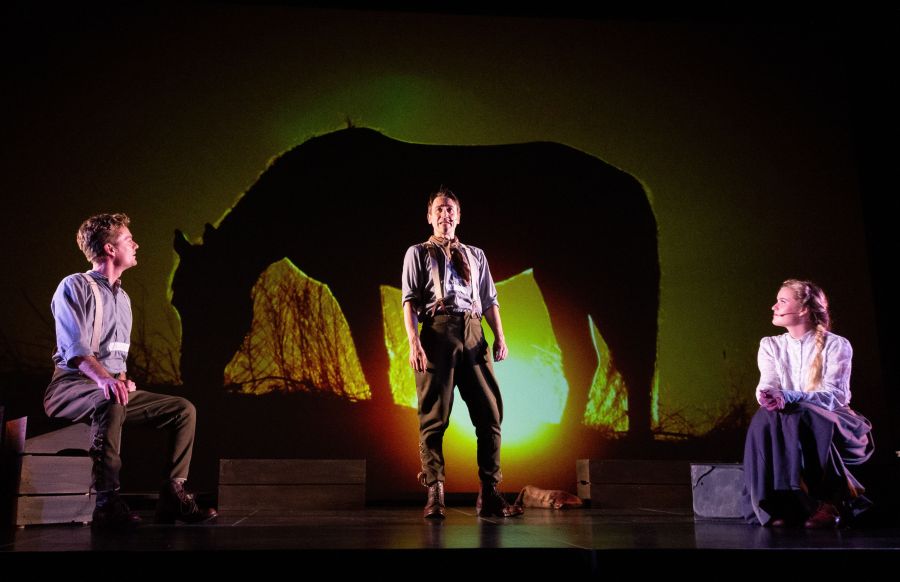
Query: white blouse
[(784, 365)]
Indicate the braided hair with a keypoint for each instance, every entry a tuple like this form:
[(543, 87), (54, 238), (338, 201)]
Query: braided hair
[(814, 300)]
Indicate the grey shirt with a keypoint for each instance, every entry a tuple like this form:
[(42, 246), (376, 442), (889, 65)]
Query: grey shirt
[(418, 286), (784, 364), (73, 310)]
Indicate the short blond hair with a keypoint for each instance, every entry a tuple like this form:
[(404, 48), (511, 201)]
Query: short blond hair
[(96, 231)]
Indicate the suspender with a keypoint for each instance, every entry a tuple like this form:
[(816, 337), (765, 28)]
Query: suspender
[(435, 275), (473, 272), (98, 314), (436, 279)]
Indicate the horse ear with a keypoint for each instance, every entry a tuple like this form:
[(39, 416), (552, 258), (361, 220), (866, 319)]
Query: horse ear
[(182, 244), (209, 231)]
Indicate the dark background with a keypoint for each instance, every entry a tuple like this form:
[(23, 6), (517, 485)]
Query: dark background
[(766, 143)]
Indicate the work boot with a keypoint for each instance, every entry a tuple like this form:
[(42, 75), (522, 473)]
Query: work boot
[(113, 514), (434, 507), (492, 504), (176, 504)]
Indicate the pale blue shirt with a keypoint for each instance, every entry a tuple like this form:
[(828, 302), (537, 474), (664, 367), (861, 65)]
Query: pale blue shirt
[(418, 286), (784, 364), (73, 310)]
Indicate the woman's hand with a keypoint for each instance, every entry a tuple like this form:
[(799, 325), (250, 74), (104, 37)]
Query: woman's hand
[(771, 400)]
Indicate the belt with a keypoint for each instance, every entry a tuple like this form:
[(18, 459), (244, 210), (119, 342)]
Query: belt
[(451, 315)]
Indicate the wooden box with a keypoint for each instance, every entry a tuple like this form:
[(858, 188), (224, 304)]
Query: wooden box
[(285, 486), (54, 478), (634, 484)]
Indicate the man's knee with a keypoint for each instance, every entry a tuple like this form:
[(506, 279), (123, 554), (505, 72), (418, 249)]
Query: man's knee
[(186, 410), (187, 406), (487, 432), (108, 412), (432, 434)]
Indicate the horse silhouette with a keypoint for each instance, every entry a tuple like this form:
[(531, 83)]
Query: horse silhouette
[(345, 206)]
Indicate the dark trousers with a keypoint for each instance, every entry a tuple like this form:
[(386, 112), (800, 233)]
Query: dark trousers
[(458, 355), (73, 396), (799, 456)]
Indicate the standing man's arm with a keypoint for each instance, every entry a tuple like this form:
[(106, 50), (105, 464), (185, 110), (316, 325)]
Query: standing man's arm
[(417, 358), (488, 294), (492, 315), (411, 283)]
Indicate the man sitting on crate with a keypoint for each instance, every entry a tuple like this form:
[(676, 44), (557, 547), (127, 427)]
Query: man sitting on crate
[(93, 332)]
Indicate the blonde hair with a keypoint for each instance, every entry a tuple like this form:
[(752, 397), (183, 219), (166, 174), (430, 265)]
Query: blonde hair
[(814, 300)]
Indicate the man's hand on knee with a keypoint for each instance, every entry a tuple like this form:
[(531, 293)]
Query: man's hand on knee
[(114, 388)]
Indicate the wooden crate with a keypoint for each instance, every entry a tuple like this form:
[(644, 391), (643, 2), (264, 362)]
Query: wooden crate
[(46, 509), (73, 439), (634, 484), (285, 486), (717, 491), (54, 476), (57, 475)]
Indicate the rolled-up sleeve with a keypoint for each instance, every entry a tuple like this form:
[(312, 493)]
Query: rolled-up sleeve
[(486, 286), (411, 278), (71, 305)]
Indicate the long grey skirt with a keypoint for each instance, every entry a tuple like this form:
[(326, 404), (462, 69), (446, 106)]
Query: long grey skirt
[(797, 457)]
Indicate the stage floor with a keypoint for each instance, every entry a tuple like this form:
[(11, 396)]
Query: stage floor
[(385, 538)]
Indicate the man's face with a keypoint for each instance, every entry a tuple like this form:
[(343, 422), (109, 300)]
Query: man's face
[(123, 249), (443, 216)]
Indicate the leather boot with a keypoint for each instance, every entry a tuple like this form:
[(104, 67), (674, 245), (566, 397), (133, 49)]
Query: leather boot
[(177, 504), (491, 503), (434, 506), (114, 515)]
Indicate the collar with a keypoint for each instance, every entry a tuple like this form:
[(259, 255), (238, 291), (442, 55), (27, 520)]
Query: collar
[(811, 334), (103, 278)]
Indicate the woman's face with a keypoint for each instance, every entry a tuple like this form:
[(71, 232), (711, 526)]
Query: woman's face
[(787, 310)]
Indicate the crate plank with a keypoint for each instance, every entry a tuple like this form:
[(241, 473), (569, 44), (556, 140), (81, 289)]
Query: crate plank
[(291, 471), (42, 509), (73, 437), (636, 471), (14, 435), (636, 496), (634, 484), (285, 499), (46, 474)]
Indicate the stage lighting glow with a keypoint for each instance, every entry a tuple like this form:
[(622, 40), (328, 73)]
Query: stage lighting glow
[(531, 379), (299, 339), (607, 406)]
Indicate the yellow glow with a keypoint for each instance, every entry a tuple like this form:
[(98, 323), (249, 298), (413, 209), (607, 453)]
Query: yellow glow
[(299, 339), (654, 401), (532, 382), (607, 407), (402, 379)]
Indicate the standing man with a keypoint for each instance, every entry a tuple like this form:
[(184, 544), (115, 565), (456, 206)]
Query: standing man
[(447, 286), (93, 333)]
